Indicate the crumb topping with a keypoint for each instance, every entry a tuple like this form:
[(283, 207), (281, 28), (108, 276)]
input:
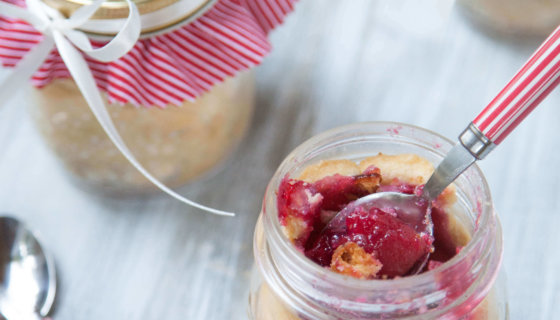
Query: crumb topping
[(352, 260), (406, 168), (324, 168)]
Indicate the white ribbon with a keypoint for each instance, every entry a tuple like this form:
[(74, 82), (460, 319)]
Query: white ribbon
[(59, 31)]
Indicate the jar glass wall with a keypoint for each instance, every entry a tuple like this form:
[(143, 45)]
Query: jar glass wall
[(287, 285), (176, 144)]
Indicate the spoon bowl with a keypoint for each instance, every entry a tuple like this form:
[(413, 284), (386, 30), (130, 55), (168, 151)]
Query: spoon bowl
[(411, 209), (27, 273)]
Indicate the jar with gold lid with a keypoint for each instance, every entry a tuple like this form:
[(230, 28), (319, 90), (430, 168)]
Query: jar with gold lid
[(181, 99)]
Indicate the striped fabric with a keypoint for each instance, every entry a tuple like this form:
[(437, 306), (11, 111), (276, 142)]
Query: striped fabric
[(169, 68)]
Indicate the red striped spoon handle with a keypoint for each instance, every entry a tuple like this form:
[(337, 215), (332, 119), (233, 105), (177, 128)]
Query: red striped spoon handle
[(530, 85)]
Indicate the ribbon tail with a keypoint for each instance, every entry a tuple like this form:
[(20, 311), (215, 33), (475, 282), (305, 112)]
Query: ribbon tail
[(25, 68), (84, 79)]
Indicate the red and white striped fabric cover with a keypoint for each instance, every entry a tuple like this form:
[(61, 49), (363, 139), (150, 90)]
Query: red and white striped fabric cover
[(169, 68)]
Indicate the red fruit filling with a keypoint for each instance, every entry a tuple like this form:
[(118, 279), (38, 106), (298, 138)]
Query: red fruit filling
[(388, 244), (395, 244), (339, 190)]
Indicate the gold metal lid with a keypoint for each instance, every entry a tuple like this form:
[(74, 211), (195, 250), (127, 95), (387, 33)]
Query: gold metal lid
[(156, 15)]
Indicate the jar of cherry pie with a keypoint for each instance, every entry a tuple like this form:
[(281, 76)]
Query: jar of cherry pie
[(368, 268)]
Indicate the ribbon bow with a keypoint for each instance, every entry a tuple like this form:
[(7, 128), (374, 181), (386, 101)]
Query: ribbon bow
[(69, 41)]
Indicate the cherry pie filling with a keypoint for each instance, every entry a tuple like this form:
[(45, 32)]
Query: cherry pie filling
[(373, 244)]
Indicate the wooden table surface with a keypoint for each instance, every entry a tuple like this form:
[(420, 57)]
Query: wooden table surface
[(334, 63)]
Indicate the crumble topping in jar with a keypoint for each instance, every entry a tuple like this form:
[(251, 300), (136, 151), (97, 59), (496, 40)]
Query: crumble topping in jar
[(164, 56), (351, 259), (374, 243)]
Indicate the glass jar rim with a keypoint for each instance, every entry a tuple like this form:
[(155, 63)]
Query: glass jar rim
[(297, 257)]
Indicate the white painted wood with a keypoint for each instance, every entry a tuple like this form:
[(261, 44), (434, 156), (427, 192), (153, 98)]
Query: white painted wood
[(335, 62)]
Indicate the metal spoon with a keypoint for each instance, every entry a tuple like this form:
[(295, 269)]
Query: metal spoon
[(530, 85), (27, 273)]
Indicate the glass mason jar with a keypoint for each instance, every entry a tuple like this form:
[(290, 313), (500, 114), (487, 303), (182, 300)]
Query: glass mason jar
[(287, 285), (521, 17), (176, 144)]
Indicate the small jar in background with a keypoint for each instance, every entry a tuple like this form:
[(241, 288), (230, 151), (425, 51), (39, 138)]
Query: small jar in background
[(176, 144), (517, 17), (287, 285)]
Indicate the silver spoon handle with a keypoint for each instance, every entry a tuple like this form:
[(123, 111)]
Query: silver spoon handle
[(530, 85), (454, 163), (473, 146)]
